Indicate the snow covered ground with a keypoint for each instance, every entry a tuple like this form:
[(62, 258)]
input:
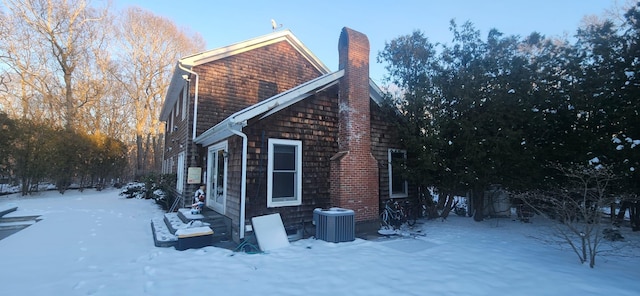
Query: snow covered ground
[(99, 243)]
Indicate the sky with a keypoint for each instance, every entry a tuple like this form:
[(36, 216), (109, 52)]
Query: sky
[(318, 24), (100, 243)]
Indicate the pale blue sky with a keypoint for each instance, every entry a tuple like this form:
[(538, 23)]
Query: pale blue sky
[(318, 23)]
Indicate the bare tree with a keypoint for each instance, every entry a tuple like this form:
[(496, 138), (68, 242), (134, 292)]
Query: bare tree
[(64, 38), (25, 82), (577, 208), (149, 47), (72, 63)]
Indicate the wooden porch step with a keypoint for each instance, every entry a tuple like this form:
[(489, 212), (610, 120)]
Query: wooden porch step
[(164, 229), (174, 222), (162, 236)]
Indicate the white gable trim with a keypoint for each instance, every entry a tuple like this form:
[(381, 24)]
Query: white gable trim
[(375, 93), (186, 64), (269, 106), (274, 104), (278, 36)]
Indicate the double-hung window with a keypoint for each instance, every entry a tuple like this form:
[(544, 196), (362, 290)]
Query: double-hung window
[(398, 185), (284, 178)]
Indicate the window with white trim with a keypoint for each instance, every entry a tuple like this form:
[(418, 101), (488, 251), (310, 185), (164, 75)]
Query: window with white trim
[(180, 172), (284, 173), (184, 102), (398, 185), (171, 121), (177, 107)]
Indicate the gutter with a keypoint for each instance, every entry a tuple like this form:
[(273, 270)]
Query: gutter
[(243, 184), (195, 99)]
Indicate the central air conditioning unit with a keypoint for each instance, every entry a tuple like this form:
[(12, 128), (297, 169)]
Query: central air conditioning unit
[(335, 224)]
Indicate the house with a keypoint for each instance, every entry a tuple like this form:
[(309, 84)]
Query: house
[(270, 129)]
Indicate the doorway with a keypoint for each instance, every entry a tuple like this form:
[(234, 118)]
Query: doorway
[(217, 177)]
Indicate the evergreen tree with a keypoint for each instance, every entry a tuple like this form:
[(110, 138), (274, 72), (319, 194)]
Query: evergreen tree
[(7, 129)]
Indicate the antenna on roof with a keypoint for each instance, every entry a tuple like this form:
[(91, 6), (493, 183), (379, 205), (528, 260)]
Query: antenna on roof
[(275, 25)]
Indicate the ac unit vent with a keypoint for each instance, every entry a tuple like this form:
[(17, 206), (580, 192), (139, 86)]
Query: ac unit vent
[(335, 224)]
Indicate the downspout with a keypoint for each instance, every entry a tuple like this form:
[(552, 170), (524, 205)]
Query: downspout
[(243, 183), (195, 100)]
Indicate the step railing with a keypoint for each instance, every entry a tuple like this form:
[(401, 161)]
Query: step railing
[(174, 206)]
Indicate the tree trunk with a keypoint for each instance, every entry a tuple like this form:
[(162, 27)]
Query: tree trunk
[(478, 202), (447, 207), (634, 215), (139, 156)]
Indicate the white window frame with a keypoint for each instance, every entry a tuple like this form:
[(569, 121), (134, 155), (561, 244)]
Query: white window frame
[(177, 107), (180, 172), (171, 121), (184, 101), (405, 188), (298, 174)]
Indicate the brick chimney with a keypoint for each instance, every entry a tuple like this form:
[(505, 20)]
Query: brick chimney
[(354, 170)]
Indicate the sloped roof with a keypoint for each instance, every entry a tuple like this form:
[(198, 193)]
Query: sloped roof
[(276, 103), (185, 64)]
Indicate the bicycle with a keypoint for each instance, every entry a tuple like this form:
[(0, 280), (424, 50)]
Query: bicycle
[(394, 214)]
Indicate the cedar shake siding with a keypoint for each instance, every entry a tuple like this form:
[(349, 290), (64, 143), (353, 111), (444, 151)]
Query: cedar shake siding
[(270, 88), (233, 83), (312, 121), (384, 136), (234, 180)]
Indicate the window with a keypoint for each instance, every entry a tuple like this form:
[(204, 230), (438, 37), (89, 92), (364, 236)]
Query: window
[(171, 122), (184, 102), (284, 173), (177, 107), (398, 185), (180, 171)]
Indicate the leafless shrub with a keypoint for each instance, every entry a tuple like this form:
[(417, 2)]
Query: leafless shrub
[(577, 208)]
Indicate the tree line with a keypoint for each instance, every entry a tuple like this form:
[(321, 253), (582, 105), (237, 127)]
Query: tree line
[(32, 152), (511, 110), (85, 69)]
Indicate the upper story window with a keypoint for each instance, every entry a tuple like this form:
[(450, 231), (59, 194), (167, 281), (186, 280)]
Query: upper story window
[(177, 107), (284, 173), (171, 124), (398, 185), (184, 101)]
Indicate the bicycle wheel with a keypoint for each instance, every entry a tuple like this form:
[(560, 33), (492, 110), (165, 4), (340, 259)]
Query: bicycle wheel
[(385, 220)]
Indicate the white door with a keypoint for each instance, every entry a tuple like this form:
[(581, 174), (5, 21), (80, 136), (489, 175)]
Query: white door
[(217, 177)]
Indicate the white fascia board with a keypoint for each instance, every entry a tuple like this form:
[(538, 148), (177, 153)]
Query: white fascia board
[(287, 98), (375, 92), (239, 119), (217, 134), (301, 96), (244, 46), (177, 82), (175, 86), (276, 103)]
